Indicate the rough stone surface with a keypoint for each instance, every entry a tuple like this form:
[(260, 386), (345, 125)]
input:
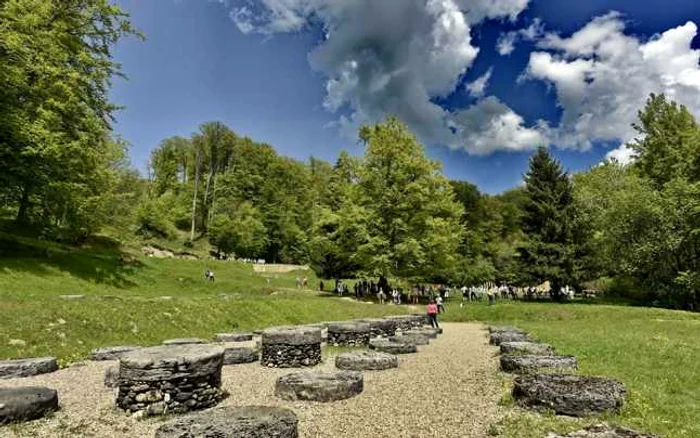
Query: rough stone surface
[(170, 379), (428, 332), (234, 422), (567, 394), (236, 355), (497, 338), (533, 364), (112, 376), (528, 348), (392, 347), (351, 334), (380, 327), (27, 367), (418, 320), (322, 387), (366, 360), (604, 431), (234, 337), (403, 322), (26, 403), (504, 328), (291, 347), (111, 353), (409, 337), (184, 341)]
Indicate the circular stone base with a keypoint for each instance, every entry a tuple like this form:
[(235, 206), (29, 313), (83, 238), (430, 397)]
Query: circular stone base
[(569, 394), (323, 387), (27, 403), (411, 338), (534, 364), (235, 422), (428, 332), (111, 353), (501, 337), (604, 431), (529, 348), (236, 355), (504, 328), (392, 347), (27, 367), (366, 360)]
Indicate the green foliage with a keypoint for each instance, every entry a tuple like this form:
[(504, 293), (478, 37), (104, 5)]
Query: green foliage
[(241, 233), (555, 241), (55, 70), (415, 230), (152, 220)]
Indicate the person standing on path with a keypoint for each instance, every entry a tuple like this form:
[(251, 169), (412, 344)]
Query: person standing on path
[(432, 314)]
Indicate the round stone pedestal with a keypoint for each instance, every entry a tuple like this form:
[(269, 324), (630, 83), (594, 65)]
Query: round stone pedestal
[(380, 327), (291, 347), (403, 322), (392, 347), (170, 379), (234, 422), (497, 338), (537, 364), (27, 403), (527, 348), (567, 394), (411, 338), (349, 334), (322, 387), (366, 360)]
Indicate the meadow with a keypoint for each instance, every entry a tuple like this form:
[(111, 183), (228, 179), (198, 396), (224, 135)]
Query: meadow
[(131, 299)]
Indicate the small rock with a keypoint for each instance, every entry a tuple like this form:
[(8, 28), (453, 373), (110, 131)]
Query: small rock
[(26, 403)]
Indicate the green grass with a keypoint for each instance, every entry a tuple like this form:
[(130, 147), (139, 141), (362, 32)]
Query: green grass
[(124, 301), (654, 352)]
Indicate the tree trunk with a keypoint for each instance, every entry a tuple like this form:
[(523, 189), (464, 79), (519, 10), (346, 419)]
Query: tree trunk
[(194, 197), (205, 206), (23, 212)]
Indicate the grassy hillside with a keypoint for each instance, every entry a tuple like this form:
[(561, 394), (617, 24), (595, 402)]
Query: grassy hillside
[(140, 300), (131, 299), (654, 352)]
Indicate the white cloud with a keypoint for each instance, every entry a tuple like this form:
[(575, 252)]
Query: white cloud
[(478, 87), (622, 155), (490, 125), (395, 57), (507, 41), (602, 77)]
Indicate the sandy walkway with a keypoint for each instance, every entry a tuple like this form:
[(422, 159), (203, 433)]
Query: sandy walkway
[(448, 389)]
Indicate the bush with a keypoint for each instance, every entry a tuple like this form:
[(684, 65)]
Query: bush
[(152, 222)]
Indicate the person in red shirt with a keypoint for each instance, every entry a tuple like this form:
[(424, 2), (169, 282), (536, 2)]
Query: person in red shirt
[(432, 314)]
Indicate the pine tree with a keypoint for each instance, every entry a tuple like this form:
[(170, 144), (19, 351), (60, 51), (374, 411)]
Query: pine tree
[(555, 239)]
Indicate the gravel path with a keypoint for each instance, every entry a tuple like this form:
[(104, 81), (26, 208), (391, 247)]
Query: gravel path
[(448, 389)]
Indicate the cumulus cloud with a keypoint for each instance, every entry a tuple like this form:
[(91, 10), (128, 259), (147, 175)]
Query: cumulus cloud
[(491, 125), (478, 87), (602, 77), (507, 41), (396, 57), (622, 155)]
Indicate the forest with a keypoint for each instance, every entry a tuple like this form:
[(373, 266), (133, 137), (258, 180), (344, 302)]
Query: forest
[(632, 230)]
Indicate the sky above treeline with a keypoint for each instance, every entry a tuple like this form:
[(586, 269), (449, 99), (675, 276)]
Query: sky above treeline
[(481, 82)]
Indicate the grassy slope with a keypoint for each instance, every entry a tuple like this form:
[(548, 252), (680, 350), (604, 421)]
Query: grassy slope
[(123, 303), (654, 352)]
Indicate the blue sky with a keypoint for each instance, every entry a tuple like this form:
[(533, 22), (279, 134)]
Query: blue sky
[(303, 74)]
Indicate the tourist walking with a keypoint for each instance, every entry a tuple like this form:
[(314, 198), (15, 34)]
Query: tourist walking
[(381, 296), (209, 275), (432, 314), (440, 306)]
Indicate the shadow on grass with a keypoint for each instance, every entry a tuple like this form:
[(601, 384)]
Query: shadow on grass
[(99, 260)]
